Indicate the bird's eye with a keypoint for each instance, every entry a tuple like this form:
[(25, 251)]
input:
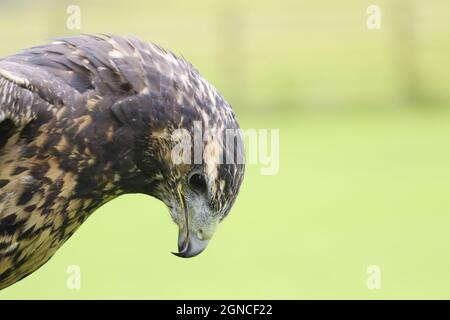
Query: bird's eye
[(198, 183)]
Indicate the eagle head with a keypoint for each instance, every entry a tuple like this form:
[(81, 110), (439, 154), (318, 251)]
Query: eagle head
[(188, 148)]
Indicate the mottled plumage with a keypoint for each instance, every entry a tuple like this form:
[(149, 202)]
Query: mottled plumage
[(88, 118)]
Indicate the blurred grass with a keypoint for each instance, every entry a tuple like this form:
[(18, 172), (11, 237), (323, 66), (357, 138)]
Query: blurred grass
[(283, 56), (364, 176)]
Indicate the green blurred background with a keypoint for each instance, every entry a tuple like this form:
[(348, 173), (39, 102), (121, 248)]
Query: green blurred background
[(364, 175)]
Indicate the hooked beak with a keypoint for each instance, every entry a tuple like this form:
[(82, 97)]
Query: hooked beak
[(189, 243)]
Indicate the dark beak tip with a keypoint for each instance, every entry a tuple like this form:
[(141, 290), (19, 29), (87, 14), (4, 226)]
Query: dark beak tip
[(177, 254), (182, 255)]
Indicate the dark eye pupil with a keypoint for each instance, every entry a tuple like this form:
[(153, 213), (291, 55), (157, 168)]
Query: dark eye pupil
[(198, 182)]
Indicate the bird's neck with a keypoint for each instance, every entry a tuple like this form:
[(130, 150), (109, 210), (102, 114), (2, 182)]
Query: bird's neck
[(108, 167)]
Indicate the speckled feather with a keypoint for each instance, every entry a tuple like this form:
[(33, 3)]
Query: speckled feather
[(83, 120)]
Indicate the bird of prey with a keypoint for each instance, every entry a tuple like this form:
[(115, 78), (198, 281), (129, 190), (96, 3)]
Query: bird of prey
[(85, 119)]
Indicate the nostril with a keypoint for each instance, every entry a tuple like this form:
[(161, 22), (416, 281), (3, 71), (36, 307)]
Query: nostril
[(200, 234)]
